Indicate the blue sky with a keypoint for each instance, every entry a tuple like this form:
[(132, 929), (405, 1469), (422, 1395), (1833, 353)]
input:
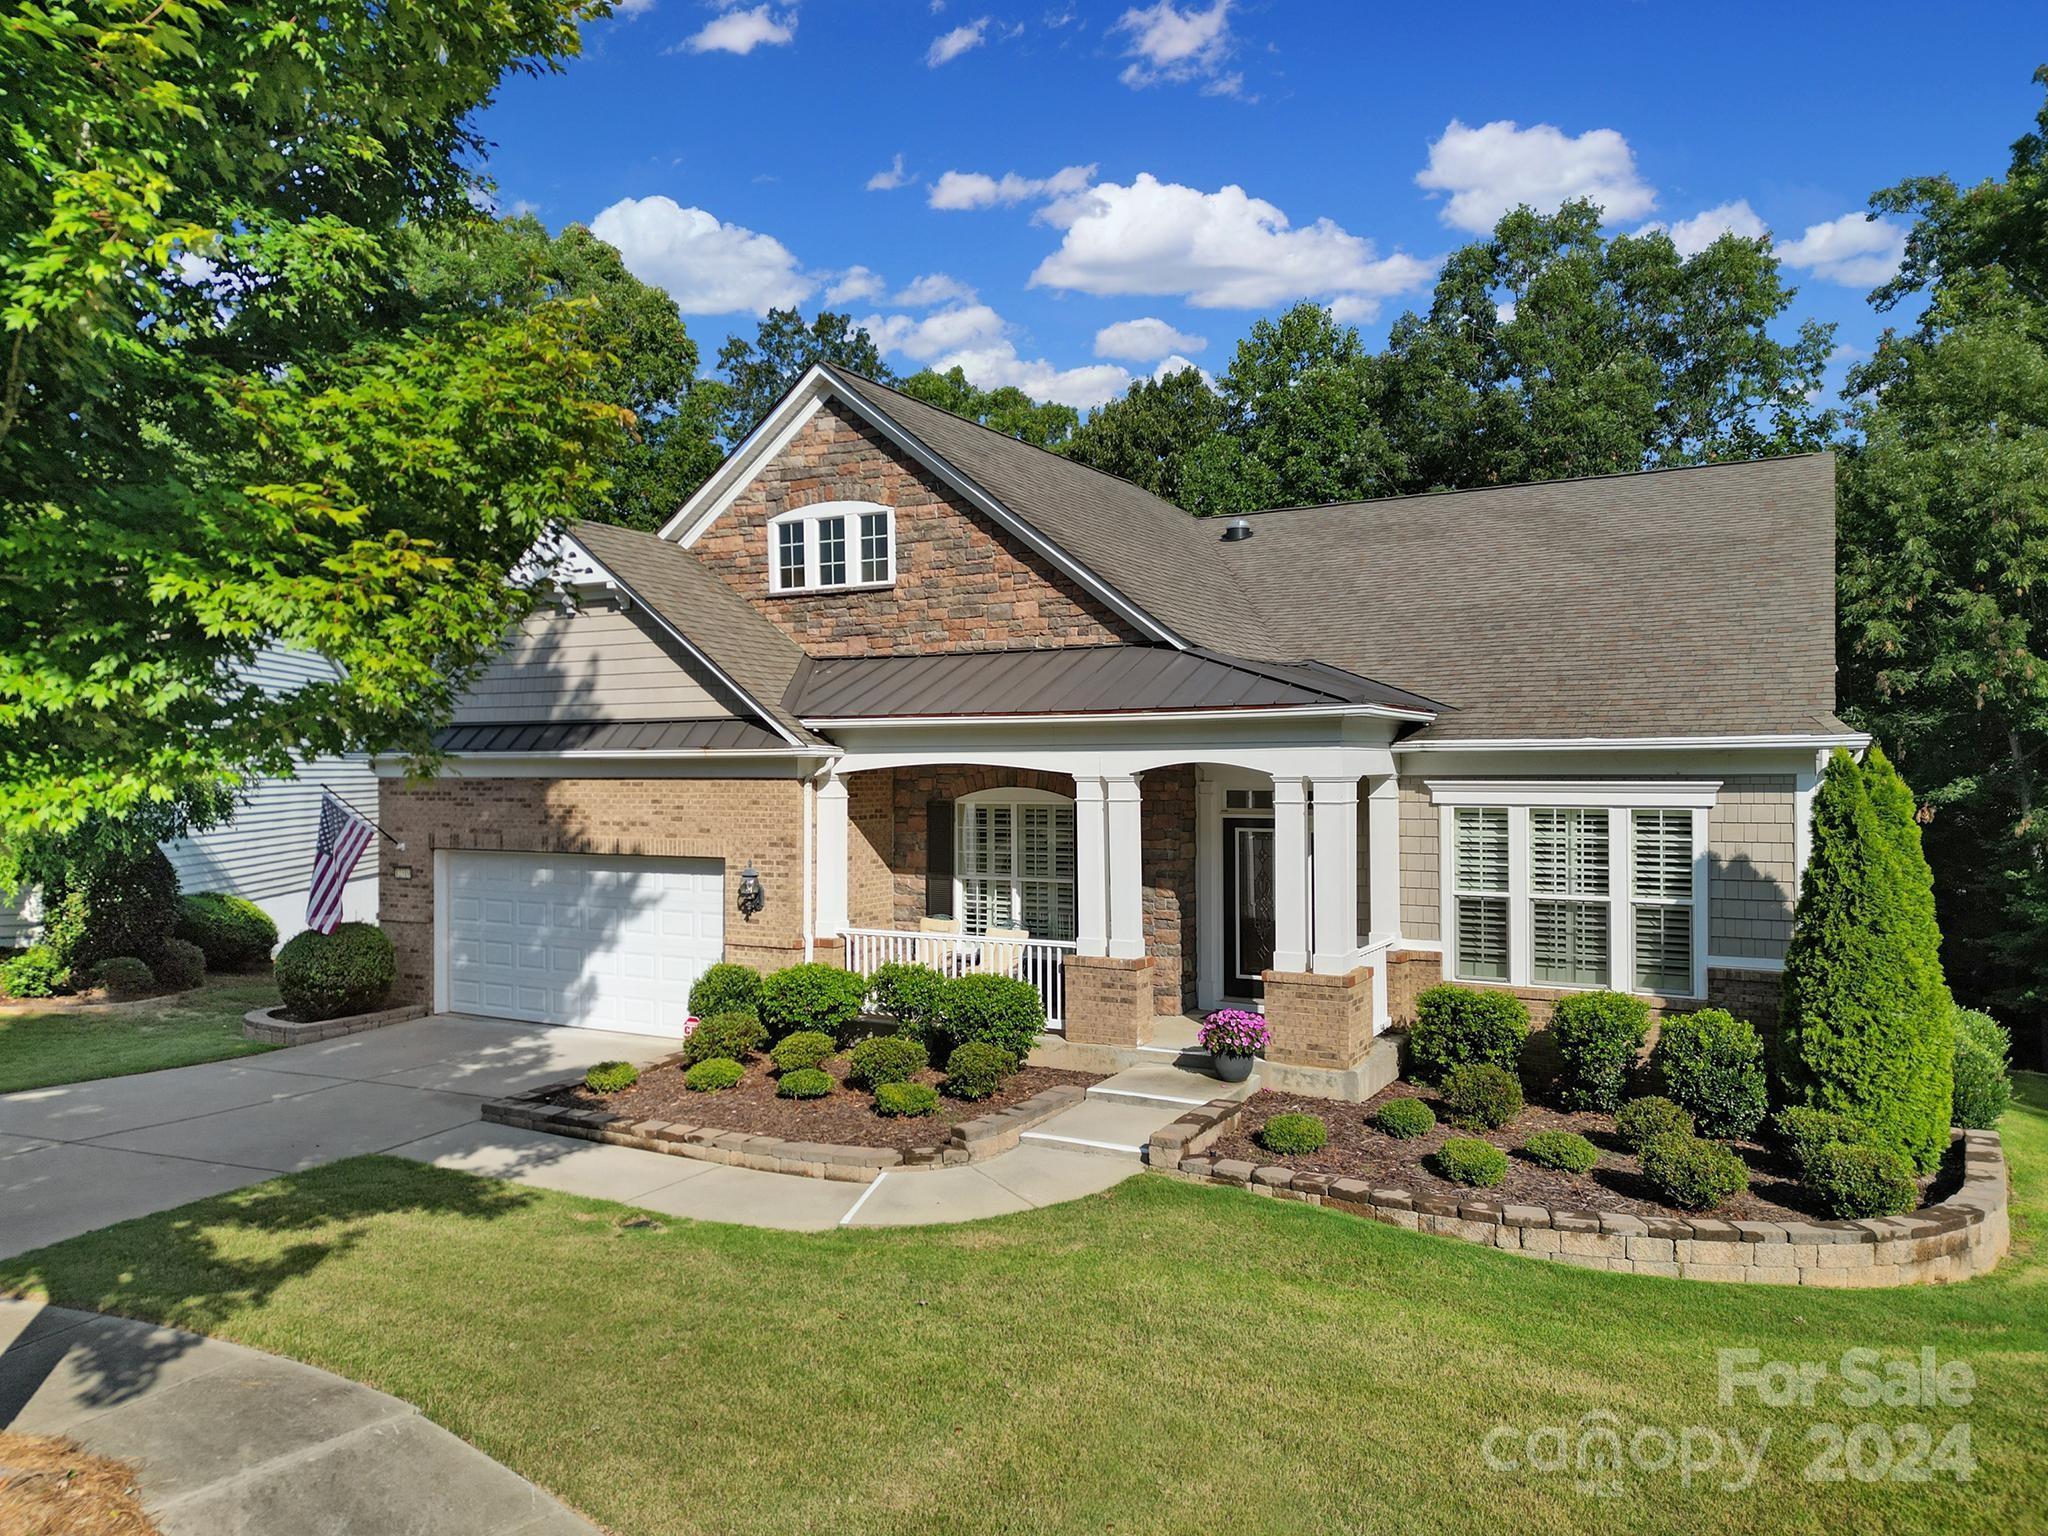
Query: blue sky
[(1063, 194)]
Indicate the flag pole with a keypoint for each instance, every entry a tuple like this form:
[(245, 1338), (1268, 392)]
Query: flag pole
[(396, 842)]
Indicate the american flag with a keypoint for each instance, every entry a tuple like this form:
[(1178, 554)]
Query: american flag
[(343, 836)]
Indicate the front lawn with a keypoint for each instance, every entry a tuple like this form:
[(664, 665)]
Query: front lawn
[(1163, 1358), (39, 1050)]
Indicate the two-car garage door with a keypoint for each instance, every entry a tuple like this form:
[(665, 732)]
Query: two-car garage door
[(606, 943)]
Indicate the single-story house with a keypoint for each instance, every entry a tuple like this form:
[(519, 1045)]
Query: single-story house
[(895, 686)]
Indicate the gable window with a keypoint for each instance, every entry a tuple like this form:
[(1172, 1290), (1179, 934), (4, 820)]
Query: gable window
[(833, 545), (1014, 863)]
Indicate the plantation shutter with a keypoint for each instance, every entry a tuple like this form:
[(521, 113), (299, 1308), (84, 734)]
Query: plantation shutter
[(1480, 873), (1664, 900), (1568, 943), (938, 844), (1663, 848), (1482, 857), (1483, 938)]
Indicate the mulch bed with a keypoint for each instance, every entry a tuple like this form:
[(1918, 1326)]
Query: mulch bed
[(845, 1117), (1357, 1151)]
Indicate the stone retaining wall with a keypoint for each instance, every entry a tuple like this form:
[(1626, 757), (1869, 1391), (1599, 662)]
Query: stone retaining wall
[(1954, 1239), (971, 1141), (264, 1024)]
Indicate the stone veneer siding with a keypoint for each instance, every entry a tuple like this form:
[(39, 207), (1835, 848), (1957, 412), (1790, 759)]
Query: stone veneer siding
[(961, 583), (737, 820)]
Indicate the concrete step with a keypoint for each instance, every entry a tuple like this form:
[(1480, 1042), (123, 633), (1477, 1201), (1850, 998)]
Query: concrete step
[(1106, 1127), (1171, 1086)]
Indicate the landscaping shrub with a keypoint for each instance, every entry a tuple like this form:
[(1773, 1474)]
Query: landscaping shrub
[(35, 972), (1850, 1180), (805, 1048), (181, 966), (812, 996), (118, 903), (1458, 1026), (713, 1075), (1641, 1121), (1691, 1174), (1982, 1070), (909, 994), (1597, 1034), (1865, 1020), (1481, 1094), (1294, 1134), (1803, 1131), (1466, 1160), (1712, 1063), (906, 1099), (1001, 1011), (1562, 1149), (977, 1069), (611, 1077), (804, 1083), (734, 1036), (327, 975), (726, 988), (888, 1059), (125, 976), (1404, 1119), (231, 932)]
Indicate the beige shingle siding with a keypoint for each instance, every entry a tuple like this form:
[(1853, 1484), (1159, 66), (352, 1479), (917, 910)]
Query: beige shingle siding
[(1421, 892), (1752, 855), (595, 663)]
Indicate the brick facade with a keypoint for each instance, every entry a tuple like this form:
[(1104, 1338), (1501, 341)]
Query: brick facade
[(1110, 1002), (961, 583), (1319, 1021)]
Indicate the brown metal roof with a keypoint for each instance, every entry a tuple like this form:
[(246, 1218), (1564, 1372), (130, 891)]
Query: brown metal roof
[(612, 736), (1108, 679)]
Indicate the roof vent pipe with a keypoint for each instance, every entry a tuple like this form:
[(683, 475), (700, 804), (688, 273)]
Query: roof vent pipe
[(1237, 530)]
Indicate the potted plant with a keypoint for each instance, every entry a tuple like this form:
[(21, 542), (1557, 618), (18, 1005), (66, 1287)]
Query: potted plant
[(1234, 1037)]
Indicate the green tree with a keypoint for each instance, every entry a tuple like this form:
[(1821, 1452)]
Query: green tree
[(1006, 409), (1944, 560), (223, 424), (1864, 1028), (1150, 432), (759, 372), (485, 265)]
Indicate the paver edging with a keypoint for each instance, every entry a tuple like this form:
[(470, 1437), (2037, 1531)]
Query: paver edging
[(1956, 1238), (264, 1025)]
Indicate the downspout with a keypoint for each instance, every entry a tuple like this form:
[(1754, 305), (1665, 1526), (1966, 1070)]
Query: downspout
[(810, 872)]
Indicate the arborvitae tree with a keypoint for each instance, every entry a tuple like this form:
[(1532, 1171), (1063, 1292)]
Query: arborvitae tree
[(1864, 1008)]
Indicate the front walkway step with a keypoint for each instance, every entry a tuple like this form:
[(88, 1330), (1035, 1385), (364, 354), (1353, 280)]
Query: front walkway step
[(1170, 1087), (1105, 1126)]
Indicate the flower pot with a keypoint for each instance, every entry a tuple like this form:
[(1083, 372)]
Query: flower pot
[(1232, 1069)]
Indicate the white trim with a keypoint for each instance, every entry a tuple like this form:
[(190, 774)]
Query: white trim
[(733, 476), (1856, 739), (1610, 794), (1761, 964), (1001, 796), (1249, 712), (850, 514)]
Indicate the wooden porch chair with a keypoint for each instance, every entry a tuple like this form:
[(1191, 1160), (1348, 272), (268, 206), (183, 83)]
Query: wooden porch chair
[(1002, 951)]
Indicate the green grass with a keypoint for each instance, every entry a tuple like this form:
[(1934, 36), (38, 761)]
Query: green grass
[(40, 1050), (1164, 1358)]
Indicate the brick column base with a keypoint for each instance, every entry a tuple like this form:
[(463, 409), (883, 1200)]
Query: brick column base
[(1410, 973), (1319, 1021), (829, 951), (1109, 1002)]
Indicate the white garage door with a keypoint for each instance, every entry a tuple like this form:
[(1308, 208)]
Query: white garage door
[(598, 942)]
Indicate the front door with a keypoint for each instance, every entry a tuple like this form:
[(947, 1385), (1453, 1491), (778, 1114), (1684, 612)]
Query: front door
[(1248, 906)]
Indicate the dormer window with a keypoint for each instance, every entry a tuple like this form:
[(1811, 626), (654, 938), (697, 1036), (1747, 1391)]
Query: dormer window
[(833, 546)]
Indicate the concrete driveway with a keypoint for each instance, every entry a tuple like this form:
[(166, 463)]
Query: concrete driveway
[(84, 1155)]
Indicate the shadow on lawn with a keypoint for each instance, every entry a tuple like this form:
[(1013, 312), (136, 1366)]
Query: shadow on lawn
[(191, 1277)]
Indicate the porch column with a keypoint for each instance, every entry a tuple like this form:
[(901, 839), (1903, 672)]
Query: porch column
[(1091, 869), (1126, 881), (831, 857), (1336, 874), (1383, 851), (1290, 874)]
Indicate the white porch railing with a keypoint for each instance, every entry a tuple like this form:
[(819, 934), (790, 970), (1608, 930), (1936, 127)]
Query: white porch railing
[(1041, 962)]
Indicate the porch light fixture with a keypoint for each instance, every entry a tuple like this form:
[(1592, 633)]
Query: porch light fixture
[(752, 897)]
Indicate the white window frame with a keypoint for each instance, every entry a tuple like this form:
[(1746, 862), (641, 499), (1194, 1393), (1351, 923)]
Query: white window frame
[(1620, 798), (851, 514), (1015, 800)]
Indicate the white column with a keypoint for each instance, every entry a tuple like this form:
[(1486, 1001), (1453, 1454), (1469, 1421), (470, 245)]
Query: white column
[(1336, 873), (1383, 852), (831, 857), (1091, 869), (1126, 882), (1290, 874), (1211, 900)]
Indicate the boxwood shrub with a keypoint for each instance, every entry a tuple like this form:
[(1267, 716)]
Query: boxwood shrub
[(1481, 1094), (181, 966), (1640, 1121), (985, 1009), (1712, 1063), (977, 1069), (35, 972), (726, 988), (1597, 1034), (812, 996), (1467, 1160), (1293, 1134), (713, 1075), (804, 1083), (805, 1048), (907, 993), (328, 975), (906, 1099), (1691, 1174), (125, 976), (1851, 1180), (611, 1077), (232, 932), (120, 902), (1457, 1026), (735, 1036), (1561, 1149), (1802, 1131), (1404, 1119), (1983, 1078), (883, 1059)]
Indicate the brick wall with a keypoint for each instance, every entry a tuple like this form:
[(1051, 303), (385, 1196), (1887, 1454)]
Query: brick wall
[(961, 584), (1319, 1021)]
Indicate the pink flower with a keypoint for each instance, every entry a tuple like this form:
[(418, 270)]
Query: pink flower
[(1235, 1032)]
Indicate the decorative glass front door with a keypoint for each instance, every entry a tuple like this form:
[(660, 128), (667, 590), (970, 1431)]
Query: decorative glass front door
[(1248, 929)]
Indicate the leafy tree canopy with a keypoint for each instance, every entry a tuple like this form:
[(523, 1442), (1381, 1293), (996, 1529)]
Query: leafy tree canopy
[(759, 372), (1150, 434), (1008, 410)]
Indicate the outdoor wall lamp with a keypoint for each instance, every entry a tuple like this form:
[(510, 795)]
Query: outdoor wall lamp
[(752, 897)]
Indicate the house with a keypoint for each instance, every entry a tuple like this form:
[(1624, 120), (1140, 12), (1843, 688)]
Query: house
[(891, 685)]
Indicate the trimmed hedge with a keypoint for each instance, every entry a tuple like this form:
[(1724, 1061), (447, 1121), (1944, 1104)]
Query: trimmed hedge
[(734, 1036), (908, 993), (726, 988), (611, 1077), (1481, 1094), (1404, 1119), (182, 965), (1802, 1131), (1294, 1134), (1458, 1026), (36, 972), (1691, 1174), (119, 903), (328, 975), (1002, 1011), (883, 1059), (1561, 1149), (714, 1075), (812, 996), (1851, 1180), (1597, 1034), (805, 1048), (804, 1083), (1641, 1121), (232, 932), (977, 1069), (125, 976), (1467, 1160), (1712, 1063), (1982, 1070), (907, 1099)]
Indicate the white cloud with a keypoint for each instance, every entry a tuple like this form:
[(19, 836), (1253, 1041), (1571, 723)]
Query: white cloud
[(943, 331), (1144, 341), (707, 267), (934, 288), (1168, 366), (856, 285), (1177, 46), (1221, 250), (956, 190), (632, 7), (948, 46), (891, 179), (738, 31), (1491, 169), (1695, 234), (520, 207), (997, 365), (1852, 250)]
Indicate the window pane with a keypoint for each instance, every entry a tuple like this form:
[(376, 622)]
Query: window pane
[(1482, 853), (1663, 849), (874, 546), (831, 551), (789, 555), (1664, 949), (1482, 938), (1568, 852), (1568, 943)]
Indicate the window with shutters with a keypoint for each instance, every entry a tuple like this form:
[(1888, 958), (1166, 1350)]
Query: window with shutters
[(1662, 895), (833, 545), (1480, 885), (1568, 941), (1014, 863)]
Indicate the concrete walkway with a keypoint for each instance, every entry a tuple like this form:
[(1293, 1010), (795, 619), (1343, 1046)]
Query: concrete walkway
[(228, 1441)]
